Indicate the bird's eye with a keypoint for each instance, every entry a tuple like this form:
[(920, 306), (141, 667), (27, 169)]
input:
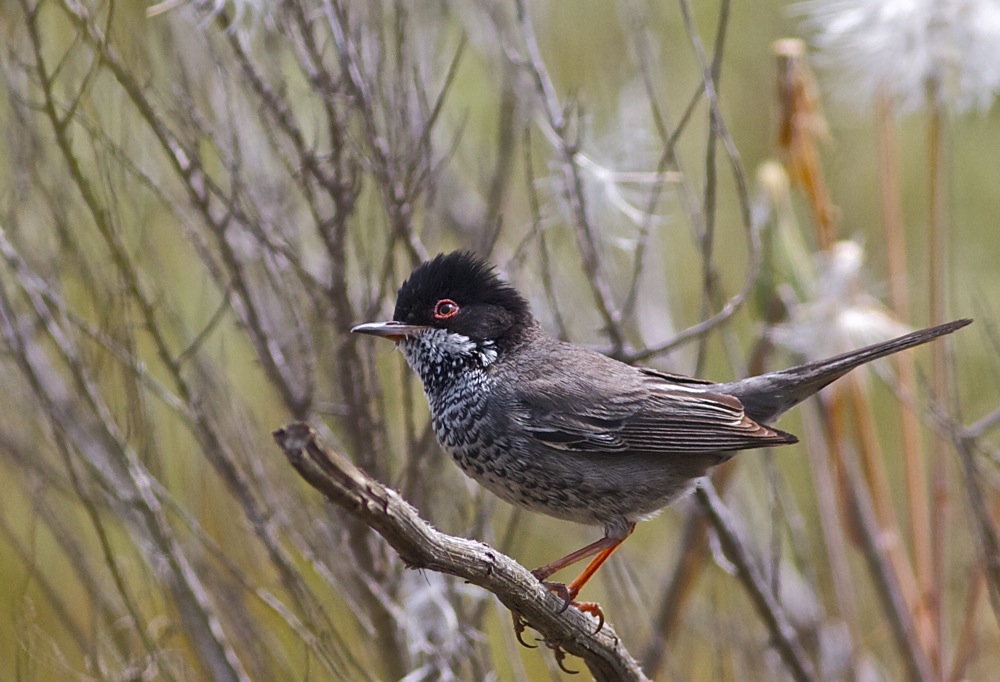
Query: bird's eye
[(445, 308)]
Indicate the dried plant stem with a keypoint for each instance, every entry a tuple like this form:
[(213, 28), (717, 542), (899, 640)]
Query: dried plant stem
[(965, 642), (863, 524), (989, 537), (914, 467), (692, 557), (937, 276), (800, 123), (826, 473), (873, 462), (892, 210)]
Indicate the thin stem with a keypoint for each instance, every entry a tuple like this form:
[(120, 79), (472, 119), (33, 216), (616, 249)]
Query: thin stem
[(937, 281), (785, 638)]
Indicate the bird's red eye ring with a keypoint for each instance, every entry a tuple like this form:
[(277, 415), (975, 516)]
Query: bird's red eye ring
[(445, 308)]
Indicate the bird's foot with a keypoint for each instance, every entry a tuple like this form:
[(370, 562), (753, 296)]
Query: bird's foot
[(520, 624), (560, 655), (594, 609), (562, 592), (568, 595)]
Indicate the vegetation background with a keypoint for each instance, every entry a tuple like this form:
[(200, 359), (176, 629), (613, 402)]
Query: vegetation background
[(199, 199)]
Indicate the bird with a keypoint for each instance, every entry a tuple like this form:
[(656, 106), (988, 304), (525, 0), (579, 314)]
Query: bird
[(566, 431)]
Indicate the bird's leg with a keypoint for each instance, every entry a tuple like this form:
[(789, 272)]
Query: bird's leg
[(614, 535), (591, 569), (573, 557), (603, 548)]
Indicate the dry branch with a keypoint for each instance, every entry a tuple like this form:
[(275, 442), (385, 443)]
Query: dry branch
[(421, 546), (784, 636)]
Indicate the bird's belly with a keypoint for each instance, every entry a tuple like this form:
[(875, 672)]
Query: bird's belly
[(561, 485), (588, 488)]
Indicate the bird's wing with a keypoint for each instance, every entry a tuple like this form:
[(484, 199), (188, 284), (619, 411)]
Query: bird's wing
[(637, 411)]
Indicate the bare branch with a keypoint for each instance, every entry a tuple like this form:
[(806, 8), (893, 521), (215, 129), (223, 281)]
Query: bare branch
[(785, 638), (421, 546)]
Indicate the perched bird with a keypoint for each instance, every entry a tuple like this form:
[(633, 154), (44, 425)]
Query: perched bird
[(566, 431)]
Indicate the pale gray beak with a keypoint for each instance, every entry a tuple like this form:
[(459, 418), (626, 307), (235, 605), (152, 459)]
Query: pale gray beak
[(395, 331)]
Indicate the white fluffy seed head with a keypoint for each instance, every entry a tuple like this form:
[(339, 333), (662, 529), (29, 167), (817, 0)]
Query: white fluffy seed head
[(912, 50)]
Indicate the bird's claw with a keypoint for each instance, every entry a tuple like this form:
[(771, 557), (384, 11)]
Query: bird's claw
[(567, 595), (520, 624), (560, 655), (591, 607), (594, 609), (561, 591)]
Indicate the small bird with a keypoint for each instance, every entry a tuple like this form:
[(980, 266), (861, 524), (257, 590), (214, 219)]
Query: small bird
[(563, 430)]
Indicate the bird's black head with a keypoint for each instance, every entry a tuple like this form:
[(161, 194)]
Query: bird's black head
[(454, 314), (461, 293)]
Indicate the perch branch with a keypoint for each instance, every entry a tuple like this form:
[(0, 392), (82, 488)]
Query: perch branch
[(421, 546)]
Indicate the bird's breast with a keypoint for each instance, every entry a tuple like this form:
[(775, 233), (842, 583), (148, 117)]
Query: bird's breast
[(474, 426)]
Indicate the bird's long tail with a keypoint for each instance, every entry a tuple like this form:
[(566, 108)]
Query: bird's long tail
[(768, 396)]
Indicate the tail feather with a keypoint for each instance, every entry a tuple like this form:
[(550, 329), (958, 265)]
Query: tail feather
[(768, 396)]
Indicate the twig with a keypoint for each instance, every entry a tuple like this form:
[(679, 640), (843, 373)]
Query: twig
[(983, 424), (692, 555), (784, 636), (421, 546), (574, 194), (989, 538), (937, 280), (917, 490), (860, 505), (875, 474)]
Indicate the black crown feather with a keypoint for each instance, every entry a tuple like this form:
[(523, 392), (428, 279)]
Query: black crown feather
[(461, 276)]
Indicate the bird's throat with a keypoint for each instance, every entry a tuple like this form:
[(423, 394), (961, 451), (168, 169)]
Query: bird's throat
[(446, 361)]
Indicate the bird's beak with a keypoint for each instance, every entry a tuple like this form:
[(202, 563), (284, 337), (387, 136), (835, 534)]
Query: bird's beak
[(395, 331)]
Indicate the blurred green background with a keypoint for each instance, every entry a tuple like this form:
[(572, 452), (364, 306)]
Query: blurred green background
[(198, 203)]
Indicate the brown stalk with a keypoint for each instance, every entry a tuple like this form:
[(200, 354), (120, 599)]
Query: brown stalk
[(937, 283), (863, 525), (965, 642), (836, 526), (800, 123), (873, 462), (895, 249)]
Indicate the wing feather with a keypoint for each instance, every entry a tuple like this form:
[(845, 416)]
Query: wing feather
[(647, 412)]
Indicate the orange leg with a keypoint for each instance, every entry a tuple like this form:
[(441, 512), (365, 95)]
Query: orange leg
[(573, 557), (591, 569), (603, 548)]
